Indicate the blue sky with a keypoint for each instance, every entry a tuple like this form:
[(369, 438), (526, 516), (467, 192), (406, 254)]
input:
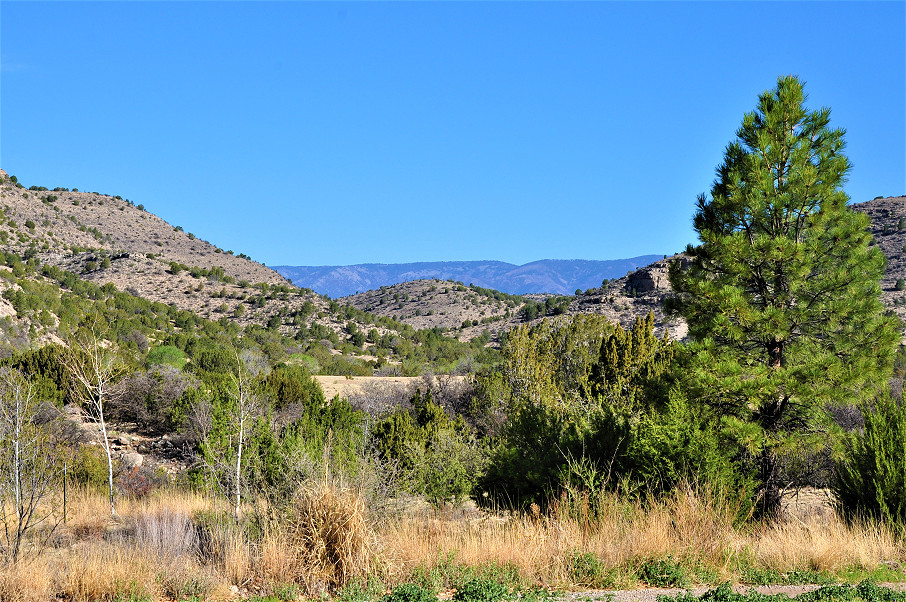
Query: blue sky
[(334, 133)]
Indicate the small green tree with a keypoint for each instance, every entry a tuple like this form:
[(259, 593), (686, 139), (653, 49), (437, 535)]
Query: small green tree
[(782, 296), (437, 455), (871, 480), (629, 361)]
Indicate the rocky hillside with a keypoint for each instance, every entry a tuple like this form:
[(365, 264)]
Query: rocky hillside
[(888, 225), (468, 311), (624, 299), (73, 228), (460, 310), (105, 239), (428, 303)]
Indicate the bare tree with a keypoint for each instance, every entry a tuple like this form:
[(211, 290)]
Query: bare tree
[(223, 457), (26, 464), (95, 368)]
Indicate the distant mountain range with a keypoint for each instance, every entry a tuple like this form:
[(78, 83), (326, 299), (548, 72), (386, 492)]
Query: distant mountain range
[(558, 276)]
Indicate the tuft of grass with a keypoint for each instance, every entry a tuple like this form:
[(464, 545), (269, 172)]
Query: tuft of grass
[(286, 591), (361, 590), (104, 571), (26, 581), (590, 571), (168, 535), (325, 537), (185, 579)]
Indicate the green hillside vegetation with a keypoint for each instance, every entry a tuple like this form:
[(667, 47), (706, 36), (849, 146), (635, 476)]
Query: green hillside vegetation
[(52, 301)]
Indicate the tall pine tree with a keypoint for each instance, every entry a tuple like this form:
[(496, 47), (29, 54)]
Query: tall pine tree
[(782, 296)]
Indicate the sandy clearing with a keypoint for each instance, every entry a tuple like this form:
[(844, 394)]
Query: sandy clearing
[(345, 386)]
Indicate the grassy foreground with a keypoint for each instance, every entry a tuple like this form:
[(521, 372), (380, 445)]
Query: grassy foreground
[(177, 545)]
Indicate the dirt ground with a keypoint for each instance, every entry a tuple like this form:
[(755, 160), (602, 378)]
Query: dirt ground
[(653, 594), (344, 386)]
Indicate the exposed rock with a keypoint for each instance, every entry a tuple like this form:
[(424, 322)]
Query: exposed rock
[(649, 279), (132, 460)]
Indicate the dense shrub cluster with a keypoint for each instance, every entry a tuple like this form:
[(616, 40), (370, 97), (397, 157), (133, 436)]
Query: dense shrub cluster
[(590, 404)]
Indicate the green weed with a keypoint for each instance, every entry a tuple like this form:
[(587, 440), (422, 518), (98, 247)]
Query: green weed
[(483, 590), (663, 573), (410, 592)]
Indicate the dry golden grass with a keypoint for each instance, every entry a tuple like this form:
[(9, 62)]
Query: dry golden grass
[(28, 581), (542, 547), (685, 526), (148, 550), (825, 544), (175, 544), (101, 571)]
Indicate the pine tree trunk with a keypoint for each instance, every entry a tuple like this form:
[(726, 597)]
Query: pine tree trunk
[(770, 485)]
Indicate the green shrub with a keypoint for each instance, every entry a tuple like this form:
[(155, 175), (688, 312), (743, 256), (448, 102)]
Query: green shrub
[(584, 392), (587, 570), (447, 468), (168, 355), (663, 573), (483, 590), (437, 455), (871, 480), (89, 467), (410, 592)]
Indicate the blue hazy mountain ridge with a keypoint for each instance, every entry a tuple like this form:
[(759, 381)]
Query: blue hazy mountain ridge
[(558, 276)]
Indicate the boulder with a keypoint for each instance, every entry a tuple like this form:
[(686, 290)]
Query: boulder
[(132, 460)]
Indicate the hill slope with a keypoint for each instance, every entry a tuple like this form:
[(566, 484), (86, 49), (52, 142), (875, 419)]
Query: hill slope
[(107, 240), (67, 237)]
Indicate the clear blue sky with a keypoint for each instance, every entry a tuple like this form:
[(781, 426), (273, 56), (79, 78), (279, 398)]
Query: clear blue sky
[(334, 133)]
